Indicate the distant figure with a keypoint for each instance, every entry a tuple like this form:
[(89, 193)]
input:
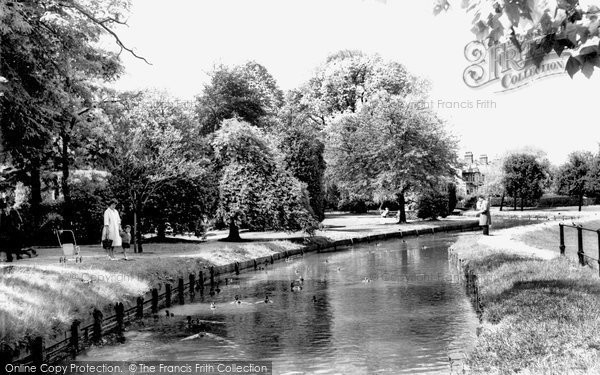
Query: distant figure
[(11, 229), (296, 286), (385, 213), (237, 300), (212, 306), (485, 217)]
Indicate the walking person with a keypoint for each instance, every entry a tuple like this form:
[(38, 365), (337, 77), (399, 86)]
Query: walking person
[(11, 227), (485, 217), (111, 233)]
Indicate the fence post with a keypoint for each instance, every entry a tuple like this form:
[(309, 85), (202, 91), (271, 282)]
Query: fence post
[(97, 334), (562, 239), (139, 312), (580, 245), (180, 288), (598, 231), (168, 295), (38, 350), (192, 283), (154, 301), (75, 337), (120, 314)]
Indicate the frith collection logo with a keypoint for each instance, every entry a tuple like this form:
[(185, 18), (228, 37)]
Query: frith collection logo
[(504, 64)]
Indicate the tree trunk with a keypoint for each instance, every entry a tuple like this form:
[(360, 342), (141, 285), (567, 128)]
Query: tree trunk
[(161, 231), (401, 208), (234, 232), (515, 202), (68, 207), (36, 193), (522, 202), (502, 202), (137, 214)]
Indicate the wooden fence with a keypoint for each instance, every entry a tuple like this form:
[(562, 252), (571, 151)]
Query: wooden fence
[(581, 255)]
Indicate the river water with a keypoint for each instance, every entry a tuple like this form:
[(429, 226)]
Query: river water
[(408, 316)]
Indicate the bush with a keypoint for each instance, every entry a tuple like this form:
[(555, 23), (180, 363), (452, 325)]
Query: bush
[(89, 197), (431, 205), (355, 206), (552, 200)]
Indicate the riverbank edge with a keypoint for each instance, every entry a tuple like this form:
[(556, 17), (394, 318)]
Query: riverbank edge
[(471, 271), (55, 352)]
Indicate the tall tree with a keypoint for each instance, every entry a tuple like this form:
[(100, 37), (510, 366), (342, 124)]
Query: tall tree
[(299, 141), (150, 152), (255, 190), (348, 79), (524, 177), (576, 176), (388, 148), (51, 60), (247, 91)]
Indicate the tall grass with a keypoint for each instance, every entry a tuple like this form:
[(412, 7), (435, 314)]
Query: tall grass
[(43, 299)]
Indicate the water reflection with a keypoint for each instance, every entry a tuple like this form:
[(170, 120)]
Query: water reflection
[(393, 307)]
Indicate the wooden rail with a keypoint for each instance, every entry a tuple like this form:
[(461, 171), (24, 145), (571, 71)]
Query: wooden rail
[(580, 252)]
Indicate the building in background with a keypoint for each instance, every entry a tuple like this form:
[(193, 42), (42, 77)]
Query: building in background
[(473, 174)]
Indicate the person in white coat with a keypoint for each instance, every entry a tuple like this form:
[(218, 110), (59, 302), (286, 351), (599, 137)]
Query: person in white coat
[(112, 227)]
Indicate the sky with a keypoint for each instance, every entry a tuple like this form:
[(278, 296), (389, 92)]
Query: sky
[(186, 38)]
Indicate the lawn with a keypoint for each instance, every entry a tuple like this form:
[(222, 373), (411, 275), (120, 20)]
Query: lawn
[(549, 238)]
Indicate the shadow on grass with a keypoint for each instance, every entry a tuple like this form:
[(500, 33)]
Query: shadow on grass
[(496, 260), (563, 300)]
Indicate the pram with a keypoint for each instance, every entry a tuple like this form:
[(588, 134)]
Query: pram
[(70, 249)]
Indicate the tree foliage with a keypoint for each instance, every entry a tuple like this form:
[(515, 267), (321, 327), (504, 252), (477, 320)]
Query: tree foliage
[(255, 190), (524, 177), (303, 155), (246, 91), (150, 150), (432, 204), (387, 148), (553, 26), (578, 176), (52, 63), (348, 79)]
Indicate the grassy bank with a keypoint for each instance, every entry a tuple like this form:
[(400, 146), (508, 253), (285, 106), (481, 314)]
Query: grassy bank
[(541, 316), (39, 297)]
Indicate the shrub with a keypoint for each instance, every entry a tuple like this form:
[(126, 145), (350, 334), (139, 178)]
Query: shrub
[(432, 204), (89, 197), (356, 206)]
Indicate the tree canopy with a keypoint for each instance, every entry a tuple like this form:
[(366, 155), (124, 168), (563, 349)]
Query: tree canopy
[(524, 177), (255, 190), (578, 176), (387, 148), (247, 91)]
